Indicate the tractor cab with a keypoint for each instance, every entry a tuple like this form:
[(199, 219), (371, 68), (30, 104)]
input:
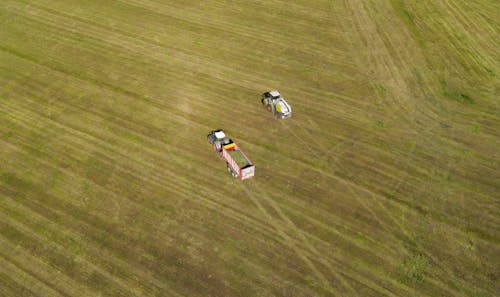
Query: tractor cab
[(273, 94), (219, 135), (218, 139)]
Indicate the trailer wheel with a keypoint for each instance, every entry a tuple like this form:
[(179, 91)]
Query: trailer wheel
[(230, 171), (268, 107)]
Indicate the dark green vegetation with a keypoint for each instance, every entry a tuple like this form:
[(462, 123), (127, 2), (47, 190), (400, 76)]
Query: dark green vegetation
[(385, 182)]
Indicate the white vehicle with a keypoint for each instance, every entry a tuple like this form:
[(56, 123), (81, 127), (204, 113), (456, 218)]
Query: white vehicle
[(276, 104)]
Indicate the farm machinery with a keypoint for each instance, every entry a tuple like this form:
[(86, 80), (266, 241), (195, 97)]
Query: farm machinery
[(275, 103), (238, 164)]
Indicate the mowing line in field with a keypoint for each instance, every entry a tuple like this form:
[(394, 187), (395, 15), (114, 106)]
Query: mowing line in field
[(325, 284), (95, 140), (91, 250), (105, 107), (326, 153), (26, 278)]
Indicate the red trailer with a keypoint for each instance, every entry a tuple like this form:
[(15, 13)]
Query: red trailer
[(238, 164)]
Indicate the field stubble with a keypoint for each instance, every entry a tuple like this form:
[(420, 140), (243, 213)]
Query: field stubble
[(384, 183)]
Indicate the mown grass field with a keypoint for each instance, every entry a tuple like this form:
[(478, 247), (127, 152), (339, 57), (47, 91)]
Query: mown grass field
[(385, 182)]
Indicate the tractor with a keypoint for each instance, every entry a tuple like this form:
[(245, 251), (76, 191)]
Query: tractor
[(237, 163)]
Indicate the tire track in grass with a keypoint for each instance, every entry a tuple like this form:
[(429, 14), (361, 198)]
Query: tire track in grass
[(462, 24), (449, 40), (311, 248), (435, 261), (352, 190), (312, 252), (204, 82), (389, 60), (409, 154), (11, 286), (366, 29), (349, 186), (370, 193), (329, 228), (145, 275), (69, 223), (46, 273), (97, 141), (334, 225), (192, 53), (325, 284), (306, 242), (430, 129), (108, 37), (358, 273), (76, 236), (434, 117), (217, 23), (374, 195), (130, 95), (328, 107), (122, 38), (405, 232), (24, 276), (216, 207), (35, 102), (480, 19)]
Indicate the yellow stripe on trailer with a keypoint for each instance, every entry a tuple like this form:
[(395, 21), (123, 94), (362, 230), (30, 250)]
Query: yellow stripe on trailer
[(229, 146)]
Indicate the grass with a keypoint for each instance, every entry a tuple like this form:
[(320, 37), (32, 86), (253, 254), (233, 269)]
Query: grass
[(384, 183), (413, 269), (239, 158)]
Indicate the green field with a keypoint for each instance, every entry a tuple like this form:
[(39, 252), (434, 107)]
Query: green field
[(385, 182)]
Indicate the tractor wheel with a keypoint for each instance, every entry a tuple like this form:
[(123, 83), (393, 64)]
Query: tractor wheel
[(268, 107)]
